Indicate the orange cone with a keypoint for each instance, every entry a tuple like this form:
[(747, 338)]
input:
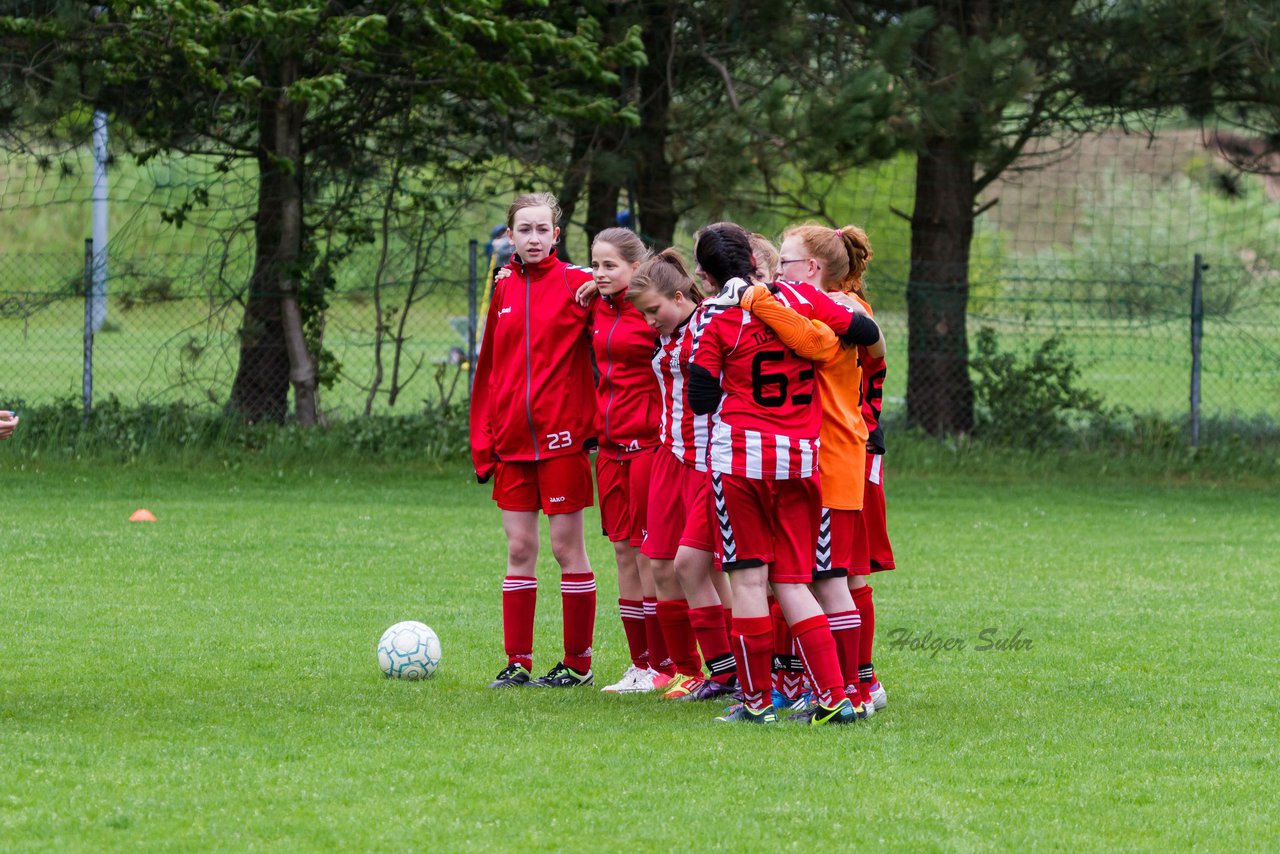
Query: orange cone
[(142, 515)]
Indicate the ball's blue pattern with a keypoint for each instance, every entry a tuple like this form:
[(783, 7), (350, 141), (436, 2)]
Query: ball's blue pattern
[(409, 650)]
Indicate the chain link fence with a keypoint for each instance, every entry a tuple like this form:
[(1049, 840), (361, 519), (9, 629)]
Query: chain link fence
[(168, 338), (1096, 245)]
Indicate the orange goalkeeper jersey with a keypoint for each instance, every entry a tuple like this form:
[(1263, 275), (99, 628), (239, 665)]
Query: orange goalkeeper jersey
[(843, 437)]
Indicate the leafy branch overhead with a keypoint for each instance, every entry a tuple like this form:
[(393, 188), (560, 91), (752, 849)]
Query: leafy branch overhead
[(323, 97)]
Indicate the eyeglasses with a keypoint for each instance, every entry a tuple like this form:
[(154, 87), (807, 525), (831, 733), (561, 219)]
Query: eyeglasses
[(782, 262)]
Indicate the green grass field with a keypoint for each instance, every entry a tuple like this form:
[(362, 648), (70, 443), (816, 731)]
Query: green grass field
[(209, 681)]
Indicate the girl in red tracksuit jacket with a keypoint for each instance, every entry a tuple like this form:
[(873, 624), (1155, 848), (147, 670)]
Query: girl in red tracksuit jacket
[(532, 423), (629, 408)]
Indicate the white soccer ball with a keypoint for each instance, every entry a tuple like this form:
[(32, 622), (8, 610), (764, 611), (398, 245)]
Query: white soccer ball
[(409, 650)]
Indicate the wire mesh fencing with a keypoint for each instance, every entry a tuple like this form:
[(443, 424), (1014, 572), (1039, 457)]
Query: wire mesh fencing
[(168, 338), (1095, 246)]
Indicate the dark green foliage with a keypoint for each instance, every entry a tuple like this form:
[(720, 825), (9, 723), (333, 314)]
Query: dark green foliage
[(1028, 400)]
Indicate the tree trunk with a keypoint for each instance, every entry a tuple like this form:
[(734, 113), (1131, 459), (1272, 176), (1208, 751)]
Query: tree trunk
[(602, 205), (571, 189), (273, 348), (655, 202), (939, 391), (604, 183)]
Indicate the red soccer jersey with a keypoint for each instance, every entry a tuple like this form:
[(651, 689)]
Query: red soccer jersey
[(687, 435), (770, 417), (629, 401), (873, 371), (533, 395)]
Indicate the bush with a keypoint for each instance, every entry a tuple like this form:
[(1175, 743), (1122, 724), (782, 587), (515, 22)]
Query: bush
[(1030, 400)]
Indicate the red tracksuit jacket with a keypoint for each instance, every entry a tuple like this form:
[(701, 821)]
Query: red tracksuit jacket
[(627, 392), (534, 395)]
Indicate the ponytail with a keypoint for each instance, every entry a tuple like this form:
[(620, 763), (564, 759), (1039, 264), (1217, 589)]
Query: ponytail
[(723, 251), (843, 252), (666, 275), (858, 248)]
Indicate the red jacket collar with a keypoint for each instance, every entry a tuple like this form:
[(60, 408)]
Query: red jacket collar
[(539, 269), (618, 304)]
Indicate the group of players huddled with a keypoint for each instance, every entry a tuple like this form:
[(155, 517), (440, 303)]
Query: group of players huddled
[(739, 546)]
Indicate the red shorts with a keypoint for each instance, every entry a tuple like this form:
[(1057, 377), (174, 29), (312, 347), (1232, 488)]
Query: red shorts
[(772, 522), (623, 487), (679, 508), (873, 516), (555, 485), (842, 545)]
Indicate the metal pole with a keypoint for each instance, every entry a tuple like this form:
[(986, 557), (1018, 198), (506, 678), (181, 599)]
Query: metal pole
[(87, 390), (100, 206), (1197, 336), (473, 310)]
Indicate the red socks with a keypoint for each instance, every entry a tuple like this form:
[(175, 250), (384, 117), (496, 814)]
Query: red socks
[(752, 641), (818, 650), (867, 611), (659, 658), (578, 597), (788, 672), (846, 629), (519, 600), (709, 627), (632, 612), (728, 624), (673, 615)]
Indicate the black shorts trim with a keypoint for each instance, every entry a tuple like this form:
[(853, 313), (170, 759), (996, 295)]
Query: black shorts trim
[(833, 572), (748, 563)]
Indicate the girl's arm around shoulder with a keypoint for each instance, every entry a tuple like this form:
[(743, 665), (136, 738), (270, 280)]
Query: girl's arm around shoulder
[(581, 291), (809, 339)]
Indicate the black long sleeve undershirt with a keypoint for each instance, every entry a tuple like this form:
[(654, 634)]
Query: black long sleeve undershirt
[(704, 391), (862, 331)]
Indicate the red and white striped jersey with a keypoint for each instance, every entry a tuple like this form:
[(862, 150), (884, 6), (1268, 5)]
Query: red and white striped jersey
[(687, 435), (769, 420)]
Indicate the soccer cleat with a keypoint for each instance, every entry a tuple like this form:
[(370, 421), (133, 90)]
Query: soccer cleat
[(785, 704), (675, 684), (512, 676), (684, 688), (634, 681), (661, 681), (742, 713), (711, 689), (856, 696), (562, 676), (843, 712), (878, 698)]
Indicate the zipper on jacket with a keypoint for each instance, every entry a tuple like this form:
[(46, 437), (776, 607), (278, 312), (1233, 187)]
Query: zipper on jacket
[(608, 355), (528, 365)]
